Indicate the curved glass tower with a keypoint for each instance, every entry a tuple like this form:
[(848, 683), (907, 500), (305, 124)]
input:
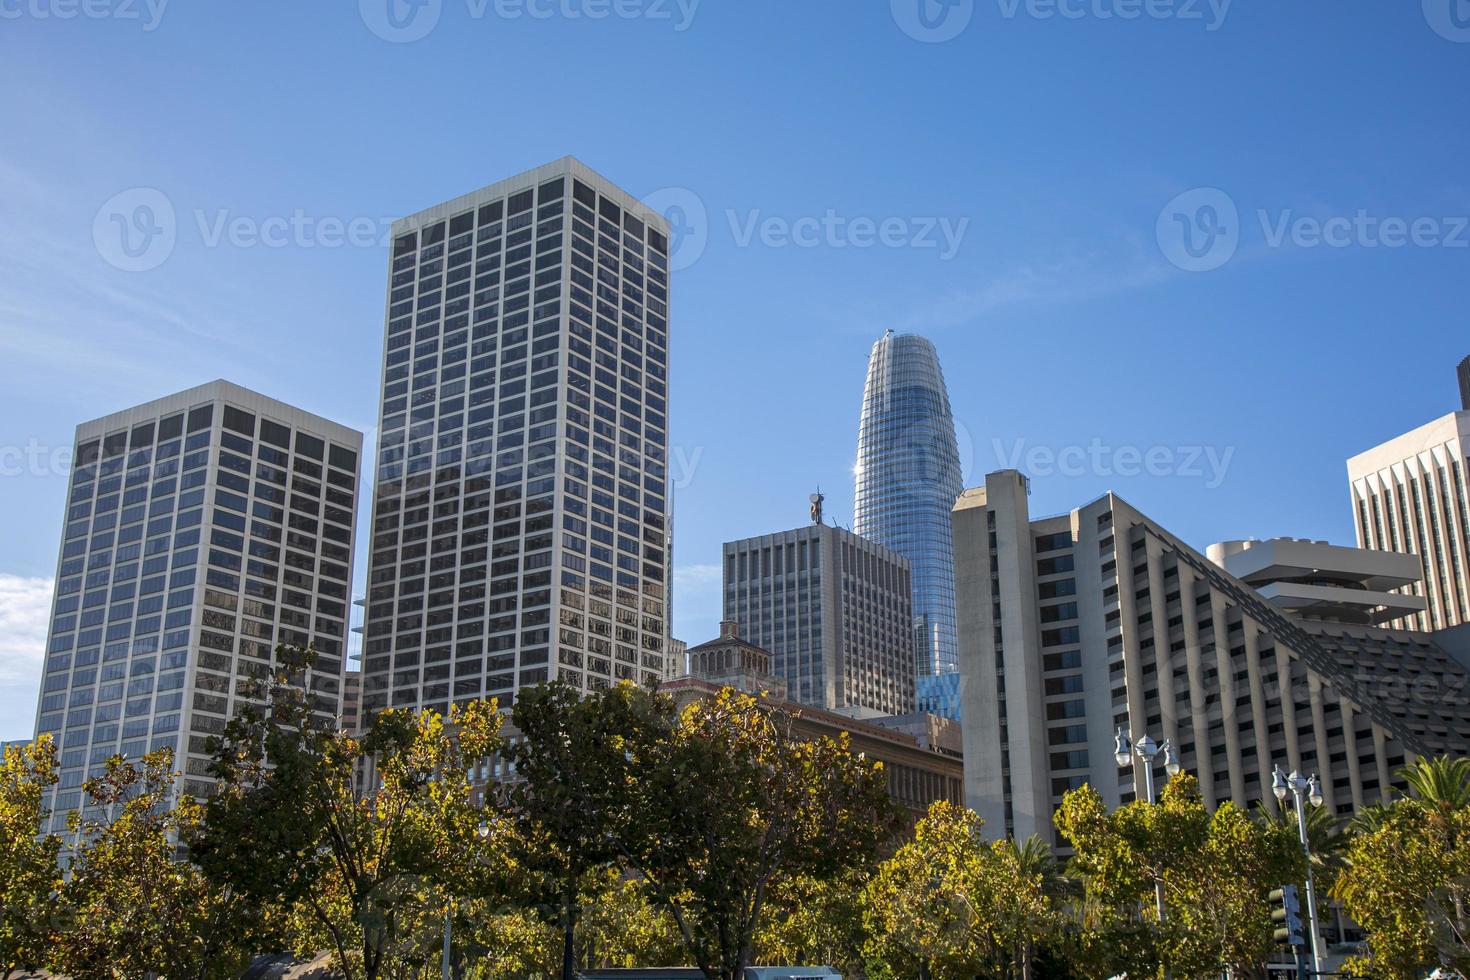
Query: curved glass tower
[(908, 476)]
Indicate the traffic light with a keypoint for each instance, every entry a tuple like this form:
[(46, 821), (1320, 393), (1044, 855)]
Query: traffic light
[(1286, 915)]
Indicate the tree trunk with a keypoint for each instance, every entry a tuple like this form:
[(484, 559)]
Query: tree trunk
[(568, 938)]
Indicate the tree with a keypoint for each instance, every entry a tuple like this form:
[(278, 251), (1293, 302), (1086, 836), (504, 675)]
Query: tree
[(1406, 878), (28, 871), (1216, 870), (949, 905), (816, 920), (373, 871), (731, 803), (1326, 837), (576, 761), (138, 907), (1442, 784)]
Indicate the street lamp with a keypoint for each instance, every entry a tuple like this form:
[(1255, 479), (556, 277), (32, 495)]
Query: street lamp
[(1281, 783), (445, 962), (1147, 750)]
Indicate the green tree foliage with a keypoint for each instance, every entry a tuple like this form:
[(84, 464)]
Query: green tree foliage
[(137, 907), (730, 804), (28, 872), (372, 872), (617, 927), (1327, 836), (576, 761), (815, 921), (1216, 870), (1406, 879), (950, 905)]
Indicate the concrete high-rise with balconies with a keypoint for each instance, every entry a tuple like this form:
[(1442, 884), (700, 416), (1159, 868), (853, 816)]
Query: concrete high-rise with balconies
[(1075, 626)]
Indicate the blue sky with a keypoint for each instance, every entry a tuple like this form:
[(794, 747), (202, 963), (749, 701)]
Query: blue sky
[(1144, 236)]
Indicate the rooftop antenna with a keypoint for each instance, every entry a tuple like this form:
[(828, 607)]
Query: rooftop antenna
[(816, 500)]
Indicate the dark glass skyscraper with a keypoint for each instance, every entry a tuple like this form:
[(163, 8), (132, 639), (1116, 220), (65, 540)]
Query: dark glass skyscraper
[(908, 476)]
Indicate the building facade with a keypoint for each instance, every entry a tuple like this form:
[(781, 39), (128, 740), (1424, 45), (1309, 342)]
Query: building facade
[(1076, 626), (920, 753), (1409, 495), (520, 514), (202, 529), (1325, 582), (835, 611), (907, 478)]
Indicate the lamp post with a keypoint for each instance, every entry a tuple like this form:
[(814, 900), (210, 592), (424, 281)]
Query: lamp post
[(1147, 750), (445, 964), (1281, 783)]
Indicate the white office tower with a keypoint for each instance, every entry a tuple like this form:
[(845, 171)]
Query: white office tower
[(1409, 494), (520, 516), (202, 529)]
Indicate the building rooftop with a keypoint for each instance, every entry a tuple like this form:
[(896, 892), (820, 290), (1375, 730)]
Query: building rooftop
[(1317, 580)]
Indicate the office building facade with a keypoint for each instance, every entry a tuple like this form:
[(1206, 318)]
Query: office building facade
[(520, 514), (907, 478), (1410, 495), (920, 754), (202, 529), (1075, 626), (835, 611)]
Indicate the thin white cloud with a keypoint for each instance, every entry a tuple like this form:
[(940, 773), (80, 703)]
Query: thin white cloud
[(1072, 281), (696, 576), (25, 611)]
